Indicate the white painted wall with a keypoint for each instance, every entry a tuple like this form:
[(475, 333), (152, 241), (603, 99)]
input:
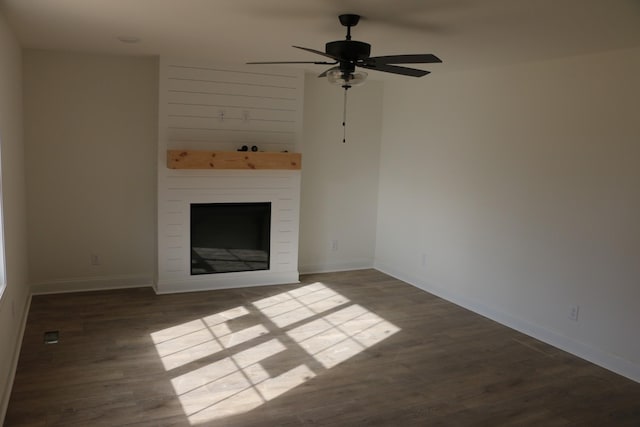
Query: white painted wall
[(14, 299), (339, 181), (90, 134), (91, 140), (521, 187)]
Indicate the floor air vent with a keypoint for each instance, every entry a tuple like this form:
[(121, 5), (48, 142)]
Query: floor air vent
[(51, 337)]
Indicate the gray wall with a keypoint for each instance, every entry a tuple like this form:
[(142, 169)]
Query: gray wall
[(15, 293), (339, 181), (519, 187), (91, 138)]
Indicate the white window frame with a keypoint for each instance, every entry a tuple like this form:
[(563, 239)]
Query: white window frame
[(3, 277)]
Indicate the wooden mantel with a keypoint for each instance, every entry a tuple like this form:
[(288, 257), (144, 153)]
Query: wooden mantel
[(192, 159)]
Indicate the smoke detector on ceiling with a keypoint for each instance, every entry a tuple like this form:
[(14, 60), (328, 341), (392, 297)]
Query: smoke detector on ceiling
[(129, 39)]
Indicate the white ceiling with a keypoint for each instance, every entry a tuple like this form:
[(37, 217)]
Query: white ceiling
[(464, 33)]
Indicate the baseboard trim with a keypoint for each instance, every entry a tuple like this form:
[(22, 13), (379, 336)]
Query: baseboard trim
[(4, 405), (83, 284), (584, 351), (335, 267)]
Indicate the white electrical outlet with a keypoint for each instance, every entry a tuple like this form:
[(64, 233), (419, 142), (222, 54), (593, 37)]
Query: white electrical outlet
[(573, 312), (95, 259), (334, 245), (424, 260)]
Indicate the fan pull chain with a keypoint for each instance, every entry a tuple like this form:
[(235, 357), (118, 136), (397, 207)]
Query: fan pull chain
[(344, 117)]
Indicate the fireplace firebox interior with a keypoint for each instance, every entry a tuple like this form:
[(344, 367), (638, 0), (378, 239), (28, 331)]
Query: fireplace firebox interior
[(230, 237)]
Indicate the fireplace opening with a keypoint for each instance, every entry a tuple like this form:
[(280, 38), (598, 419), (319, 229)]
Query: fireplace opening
[(230, 237)]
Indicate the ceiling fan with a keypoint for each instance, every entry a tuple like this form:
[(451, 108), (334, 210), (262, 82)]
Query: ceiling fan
[(348, 54)]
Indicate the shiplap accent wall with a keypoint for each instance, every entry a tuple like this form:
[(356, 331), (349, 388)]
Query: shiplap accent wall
[(210, 107), (222, 108)]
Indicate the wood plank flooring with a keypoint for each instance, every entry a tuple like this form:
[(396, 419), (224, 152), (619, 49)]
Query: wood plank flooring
[(354, 348)]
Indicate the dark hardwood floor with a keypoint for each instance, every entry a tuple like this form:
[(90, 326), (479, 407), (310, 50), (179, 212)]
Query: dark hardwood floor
[(355, 348)]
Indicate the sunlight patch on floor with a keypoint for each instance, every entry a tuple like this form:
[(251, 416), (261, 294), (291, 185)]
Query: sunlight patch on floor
[(233, 361)]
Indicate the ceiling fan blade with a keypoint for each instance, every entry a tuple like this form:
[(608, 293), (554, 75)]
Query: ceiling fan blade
[(426, 58), (324, 74), (318, 52), (296, 62), (413, 72)]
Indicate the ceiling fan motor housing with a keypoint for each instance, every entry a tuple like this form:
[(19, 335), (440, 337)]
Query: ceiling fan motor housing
[(350, 50), (349, 54)]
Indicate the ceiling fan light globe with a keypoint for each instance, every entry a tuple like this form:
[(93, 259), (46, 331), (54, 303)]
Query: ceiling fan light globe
[(340, 78)]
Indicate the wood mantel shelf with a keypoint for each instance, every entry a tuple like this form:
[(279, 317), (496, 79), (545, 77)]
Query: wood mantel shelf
[(192, 159)]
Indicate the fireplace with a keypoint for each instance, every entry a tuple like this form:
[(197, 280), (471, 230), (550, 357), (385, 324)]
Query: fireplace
[(269, 257), (199, 132), (230, 237)]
